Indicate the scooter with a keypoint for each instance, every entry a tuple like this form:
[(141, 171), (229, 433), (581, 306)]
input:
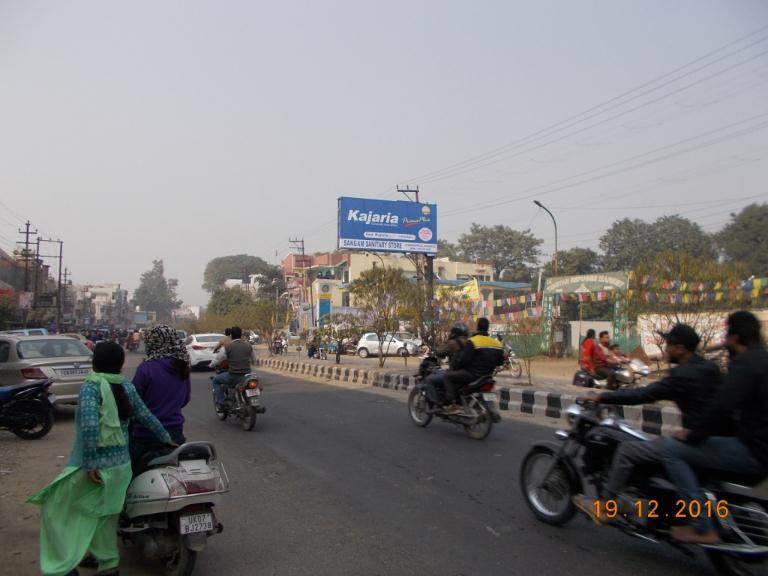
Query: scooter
[(27, 409), (169, 506), (627, 376)]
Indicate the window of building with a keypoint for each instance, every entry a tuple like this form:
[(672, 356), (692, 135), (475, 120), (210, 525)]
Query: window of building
[(345, 299)]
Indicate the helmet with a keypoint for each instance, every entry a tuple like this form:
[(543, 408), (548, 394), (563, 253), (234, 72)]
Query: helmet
[(458, 329)]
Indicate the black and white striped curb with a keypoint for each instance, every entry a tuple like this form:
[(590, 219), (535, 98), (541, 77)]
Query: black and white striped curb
[(650, 418)]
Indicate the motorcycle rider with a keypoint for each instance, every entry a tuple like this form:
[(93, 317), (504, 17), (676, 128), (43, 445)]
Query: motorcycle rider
[(703, 445), (587, 352), (239, 355), (692, 384), (480, 357), (457, 339), (224, 340)]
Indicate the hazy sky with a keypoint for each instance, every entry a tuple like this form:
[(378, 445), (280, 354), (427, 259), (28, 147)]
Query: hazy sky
[(188, 130)]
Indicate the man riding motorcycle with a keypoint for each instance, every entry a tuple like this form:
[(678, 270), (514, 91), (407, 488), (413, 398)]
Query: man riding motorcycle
[(692, 384), (457, 339), (703, 445), (239, 355), (480, 357)]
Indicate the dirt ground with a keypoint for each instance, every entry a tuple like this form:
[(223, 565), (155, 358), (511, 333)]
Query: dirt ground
[(19, 522)]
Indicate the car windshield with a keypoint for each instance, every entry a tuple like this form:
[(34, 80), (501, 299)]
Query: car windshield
[(51, 348), (211, 338)]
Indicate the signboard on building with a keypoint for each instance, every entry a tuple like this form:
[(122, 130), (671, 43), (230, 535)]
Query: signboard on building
[(387, 226), (605, 281)]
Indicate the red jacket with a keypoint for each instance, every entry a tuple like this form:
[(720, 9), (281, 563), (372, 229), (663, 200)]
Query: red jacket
[(587, 353)]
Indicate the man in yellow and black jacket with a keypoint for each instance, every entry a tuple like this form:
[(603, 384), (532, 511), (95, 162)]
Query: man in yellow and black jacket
[(478, 358)]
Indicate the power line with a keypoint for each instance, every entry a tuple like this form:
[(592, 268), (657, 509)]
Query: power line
[(564, 124)]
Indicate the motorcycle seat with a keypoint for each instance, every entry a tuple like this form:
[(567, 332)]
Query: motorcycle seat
[(475, 386), (8, 392), (189, 451)]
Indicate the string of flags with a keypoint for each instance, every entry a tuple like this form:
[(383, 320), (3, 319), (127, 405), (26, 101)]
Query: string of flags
[(748, 285)]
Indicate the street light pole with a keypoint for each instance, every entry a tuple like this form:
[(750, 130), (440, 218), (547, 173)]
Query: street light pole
[(540, 205)]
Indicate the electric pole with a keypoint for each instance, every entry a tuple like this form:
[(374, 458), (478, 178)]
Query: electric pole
[(298, 244), (428, 273), (27, 233)]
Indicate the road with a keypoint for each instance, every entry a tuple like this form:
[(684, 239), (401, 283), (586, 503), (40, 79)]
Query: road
[(337, 481)]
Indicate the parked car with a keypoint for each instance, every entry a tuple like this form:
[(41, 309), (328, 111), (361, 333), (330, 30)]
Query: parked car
[(200, 348), (26, 332), (63, 359), (369, 346), (408, 337)]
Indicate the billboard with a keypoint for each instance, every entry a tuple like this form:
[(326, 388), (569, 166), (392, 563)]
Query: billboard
[(387, 225)]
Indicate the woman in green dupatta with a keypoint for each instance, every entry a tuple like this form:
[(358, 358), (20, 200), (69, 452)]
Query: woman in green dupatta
[(80, 508)]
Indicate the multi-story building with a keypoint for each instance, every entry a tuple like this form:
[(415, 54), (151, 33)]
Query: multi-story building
[(105, 303)]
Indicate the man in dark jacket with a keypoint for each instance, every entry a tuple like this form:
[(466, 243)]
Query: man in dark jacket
[(457, 339), (703, 445), (692, 384), (478, 358)]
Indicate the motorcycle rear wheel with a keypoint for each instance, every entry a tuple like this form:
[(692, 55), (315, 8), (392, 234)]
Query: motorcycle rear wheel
[(417, 408), (248, 419), (43, 416), (560, 509), (481, 429), (182, 563)]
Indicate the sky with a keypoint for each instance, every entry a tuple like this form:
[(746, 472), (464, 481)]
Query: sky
[(186, 130)]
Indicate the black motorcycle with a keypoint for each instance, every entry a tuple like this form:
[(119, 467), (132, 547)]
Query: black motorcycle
[(479, 402), (27, 409), (242, 400), (551, 475)]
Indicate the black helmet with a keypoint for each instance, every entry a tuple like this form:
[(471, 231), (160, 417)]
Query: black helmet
[(458, 329)]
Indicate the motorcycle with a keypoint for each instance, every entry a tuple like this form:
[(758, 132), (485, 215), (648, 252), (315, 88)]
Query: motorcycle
[(169, 506), (27, 409), (242, 400), (479, 402), (551, 475), (627, 375), (277, 348), (511, 364)]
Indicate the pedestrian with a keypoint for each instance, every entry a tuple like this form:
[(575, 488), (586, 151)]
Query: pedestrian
[(162, 382), (80, 508)]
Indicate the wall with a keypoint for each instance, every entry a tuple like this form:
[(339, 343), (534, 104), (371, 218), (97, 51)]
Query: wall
[(597, 325)]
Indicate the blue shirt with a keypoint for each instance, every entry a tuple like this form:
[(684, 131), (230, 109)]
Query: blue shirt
[(163, 391)]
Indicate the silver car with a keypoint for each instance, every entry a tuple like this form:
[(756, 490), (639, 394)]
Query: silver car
[(369, 345), (63, 359)]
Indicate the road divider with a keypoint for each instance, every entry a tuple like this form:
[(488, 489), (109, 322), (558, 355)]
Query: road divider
[(541, 404)]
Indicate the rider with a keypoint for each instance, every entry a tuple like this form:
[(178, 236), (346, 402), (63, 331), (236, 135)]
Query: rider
[(692, 384), (224, 340), (162, 382), (478, 358), (457, 339), (239, 355), (702, 443)]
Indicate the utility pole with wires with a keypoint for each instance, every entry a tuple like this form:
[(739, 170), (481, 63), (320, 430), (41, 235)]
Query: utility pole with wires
[(427, 271), (60, 258), (27, 233), (298, 244)]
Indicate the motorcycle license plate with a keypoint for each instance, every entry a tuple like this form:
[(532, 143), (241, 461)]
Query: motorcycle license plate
[(196, 523), (252, 392), (489, 397)]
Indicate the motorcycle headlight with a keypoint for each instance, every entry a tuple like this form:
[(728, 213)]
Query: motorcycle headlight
[(572, 412)]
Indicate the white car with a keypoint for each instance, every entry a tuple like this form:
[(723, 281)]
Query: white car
[(393, 346), (200, 348)]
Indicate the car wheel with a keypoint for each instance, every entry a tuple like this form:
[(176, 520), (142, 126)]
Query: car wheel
[(363, 353)]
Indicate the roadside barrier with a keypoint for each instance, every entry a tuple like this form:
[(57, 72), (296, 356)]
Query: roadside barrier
[(651, 418)]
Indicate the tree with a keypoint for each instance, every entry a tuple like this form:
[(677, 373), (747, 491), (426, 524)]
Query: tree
[(7, 311), (698, 309), (225, 300), (239, 266), (447, 249), (156, 293), (745, 239), (574, 262), (516, 251), (628, 242), (379, 293), (341, 327), (525, 338)]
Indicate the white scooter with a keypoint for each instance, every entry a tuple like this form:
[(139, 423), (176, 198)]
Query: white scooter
[(169, 508)]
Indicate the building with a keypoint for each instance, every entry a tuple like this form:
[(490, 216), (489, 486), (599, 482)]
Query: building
[(101, 304), (318, 284)]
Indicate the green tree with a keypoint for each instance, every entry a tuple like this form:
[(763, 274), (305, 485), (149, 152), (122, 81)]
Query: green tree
[(574, 262), (380, 293), (447, 249), (8, 311), (745, 239), (240, 266), (156, 293), (629, 242), (504, 248), (224, 300)]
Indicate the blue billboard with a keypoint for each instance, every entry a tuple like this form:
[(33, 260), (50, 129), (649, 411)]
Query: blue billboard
[(387, 225)]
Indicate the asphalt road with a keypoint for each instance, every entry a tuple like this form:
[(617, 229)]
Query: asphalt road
[(338, 481)]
